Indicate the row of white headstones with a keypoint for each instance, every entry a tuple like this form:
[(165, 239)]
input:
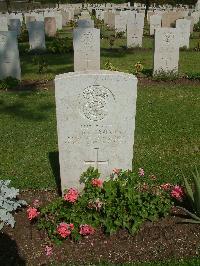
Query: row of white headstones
[(86, 43)]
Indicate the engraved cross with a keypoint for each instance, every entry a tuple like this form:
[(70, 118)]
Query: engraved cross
[(96, 162)]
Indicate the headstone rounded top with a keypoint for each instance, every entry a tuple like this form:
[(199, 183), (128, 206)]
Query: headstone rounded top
[(94, 72)]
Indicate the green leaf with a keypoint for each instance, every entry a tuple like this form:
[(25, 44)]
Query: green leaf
[(189, 190), (197, 191)]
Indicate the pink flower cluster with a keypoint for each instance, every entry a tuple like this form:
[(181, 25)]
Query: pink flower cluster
[(32, 213), (96, 182), (177, 193), (86, 229), (64, 229), (116, 171), (71, 195), (48, 250), (141, 172), (166, 186)]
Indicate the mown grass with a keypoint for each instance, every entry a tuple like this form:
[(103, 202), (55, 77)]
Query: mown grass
[(166, 136), (119, 56)]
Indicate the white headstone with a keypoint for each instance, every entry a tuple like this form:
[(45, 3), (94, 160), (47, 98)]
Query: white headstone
[(183, 26), (15, 25), (155, 23), (120, 23), (94, 127), (9, 55), (166, 53), (3, 23), (86, 43), (85, 23), (134, 35), (36, 35)]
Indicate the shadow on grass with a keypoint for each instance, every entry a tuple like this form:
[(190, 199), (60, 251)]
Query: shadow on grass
[(9, 252), (55, 167), (20, 110)]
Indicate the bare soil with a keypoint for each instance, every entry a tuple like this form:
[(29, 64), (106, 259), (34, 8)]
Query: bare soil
[(165, 239)]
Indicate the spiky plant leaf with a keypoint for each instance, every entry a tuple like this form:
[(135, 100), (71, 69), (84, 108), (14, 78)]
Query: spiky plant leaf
[(194, 216), (190, 221), (189, 191), (197, 192)]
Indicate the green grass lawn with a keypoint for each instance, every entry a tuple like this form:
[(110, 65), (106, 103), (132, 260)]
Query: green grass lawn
[(166, 136), (119, 56), (167, 120)]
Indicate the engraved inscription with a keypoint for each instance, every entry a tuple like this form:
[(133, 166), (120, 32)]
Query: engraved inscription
[(94, 102)]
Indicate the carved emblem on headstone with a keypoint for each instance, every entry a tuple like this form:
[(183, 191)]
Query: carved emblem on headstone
[(94, 102)]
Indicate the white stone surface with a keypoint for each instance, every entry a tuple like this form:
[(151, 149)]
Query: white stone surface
[(166, 50), (94, 127), (9, 55), (86, 43), (196, 16), (155, 23), (85, 23), (15, 25), (120, 23), (134, 34), (36, 35), (183, 26), (3, 23)]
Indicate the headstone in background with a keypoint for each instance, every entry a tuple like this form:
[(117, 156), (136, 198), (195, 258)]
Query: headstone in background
[(86, 43), (166, 51), (191, 19), (50, 26), (155, 23), (183, 27), (36, 35), (29, 19), (94, 128), (120, 23), (3, 23), (196, 16), (134, 34), (15, 25), (9, 55), (85, 23)]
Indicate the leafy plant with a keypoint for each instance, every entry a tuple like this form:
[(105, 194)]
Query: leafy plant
[(197, 27), (59, 45), (165, 76), (138, 67), (9, 83), (197, 48), (193, 195), (109, 66), (111, 41), (120, 34), (193, 76), (41, 64), (8, 203), (23, 37), (123, 200)]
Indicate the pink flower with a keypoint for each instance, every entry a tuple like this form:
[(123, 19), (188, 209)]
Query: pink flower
[(116, 171), (141, 172), (71, 195), (48, 250), (166, 186), (177, 193), (32, 213), (64, 229), (86, 229), (96, 182)]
